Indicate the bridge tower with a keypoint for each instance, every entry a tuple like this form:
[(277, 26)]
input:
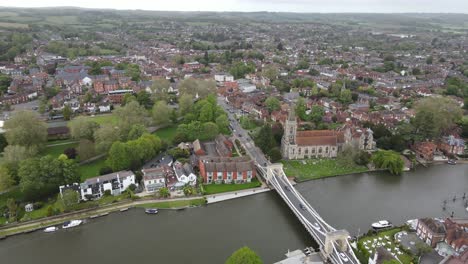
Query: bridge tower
[(339, 236), (272, 169)]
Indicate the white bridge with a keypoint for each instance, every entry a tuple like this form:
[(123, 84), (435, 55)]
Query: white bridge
[(334, 244)]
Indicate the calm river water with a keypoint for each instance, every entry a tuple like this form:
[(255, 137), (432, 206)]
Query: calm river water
[(263, 222)]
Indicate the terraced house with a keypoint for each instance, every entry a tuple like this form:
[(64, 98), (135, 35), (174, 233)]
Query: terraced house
[(226, 169)]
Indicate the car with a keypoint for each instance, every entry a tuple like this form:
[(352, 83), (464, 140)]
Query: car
[(240, 135), (307, 251), (343, 257), (286, 188), (316, 226), (302, 206)]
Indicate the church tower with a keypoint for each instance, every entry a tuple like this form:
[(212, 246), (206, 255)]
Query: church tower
[(289, 136)]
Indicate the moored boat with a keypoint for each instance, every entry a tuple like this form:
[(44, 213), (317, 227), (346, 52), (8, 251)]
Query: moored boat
[(51, 229), (381, 224), (151, 211), (72, 223)]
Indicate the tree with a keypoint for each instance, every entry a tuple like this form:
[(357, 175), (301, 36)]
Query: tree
[(71, 153), (6, 179), (67, 112), (159, 89), (270, 72), (161, 113), (345, 96), (316, 115), (70, 198), (164, 192), (118, 158), (105, 136), (210, 131), (86, 149), (144, 99), (83, 128), (429, 60), (25, 129), (3, 142), (390, 160), (301, 109), (136, 131), (12, 209), (5, 81), (264, 139), (206, 113), (272, 104), (188, 190), (129, 115), (13, 154), (194, 87), (185, 104), (244, 255), (222, 122), (436, 116)]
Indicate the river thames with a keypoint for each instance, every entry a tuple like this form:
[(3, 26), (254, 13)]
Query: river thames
[(263, 222)]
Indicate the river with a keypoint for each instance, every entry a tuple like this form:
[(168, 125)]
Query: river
[(209, 234)]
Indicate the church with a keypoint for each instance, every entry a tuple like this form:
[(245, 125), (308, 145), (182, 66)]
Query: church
[(321, 143)]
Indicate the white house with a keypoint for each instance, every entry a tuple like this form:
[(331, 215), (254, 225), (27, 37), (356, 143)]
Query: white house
[(184, 173), (224, 78), (104, 108), (116, 183), (246, 86), (154, 178)]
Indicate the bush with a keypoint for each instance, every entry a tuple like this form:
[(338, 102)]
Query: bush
[(132, 187), (70, 152), (105, 170), (107, 193), (38, 205), (50, 211)]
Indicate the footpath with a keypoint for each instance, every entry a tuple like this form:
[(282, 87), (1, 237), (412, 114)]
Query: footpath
[(39, 224)]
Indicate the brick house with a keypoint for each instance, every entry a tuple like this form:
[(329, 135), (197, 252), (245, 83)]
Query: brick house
[(456, 236), (430, 231), (226, 169), (425, 150)]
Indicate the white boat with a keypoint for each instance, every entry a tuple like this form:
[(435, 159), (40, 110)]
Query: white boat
[(151, 211), (72, 223), (51, 229), (381, 224)]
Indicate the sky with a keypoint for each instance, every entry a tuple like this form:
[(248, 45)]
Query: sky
[(322, 6)]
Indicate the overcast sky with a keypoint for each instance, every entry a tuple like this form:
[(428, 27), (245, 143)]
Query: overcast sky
[(380, 6)]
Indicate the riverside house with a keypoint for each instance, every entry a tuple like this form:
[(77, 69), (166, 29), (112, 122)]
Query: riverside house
[(116, 183)]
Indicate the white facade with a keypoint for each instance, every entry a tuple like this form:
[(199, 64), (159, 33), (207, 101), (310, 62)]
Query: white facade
[(224, 78), (116, 183)]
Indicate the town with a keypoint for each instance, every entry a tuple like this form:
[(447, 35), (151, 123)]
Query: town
[(96, 113)]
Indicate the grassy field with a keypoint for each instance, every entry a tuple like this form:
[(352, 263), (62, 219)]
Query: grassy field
[(13, 25), (174, 204), (91, 169), (166, 133), (383, 237), (318, 168), (220, 188), (56, 151), (104, 119)]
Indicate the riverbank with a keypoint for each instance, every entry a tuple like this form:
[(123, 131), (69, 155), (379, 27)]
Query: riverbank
[(176, 203)]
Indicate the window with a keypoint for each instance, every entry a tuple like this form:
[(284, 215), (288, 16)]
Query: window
[(229, 176), (326, 150), (306, 151), (313, 151), (239, 175), (320, 150), (220, 175), (249, 174), (299, 151)]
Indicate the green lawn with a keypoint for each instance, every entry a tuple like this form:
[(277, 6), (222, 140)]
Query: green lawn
[(104, 119), (166, 133), (220, 188), (318, 168), (405, 258), (174, 204), (56, 151), (91, 169)]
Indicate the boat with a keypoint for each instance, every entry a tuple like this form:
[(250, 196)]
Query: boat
[(51, 229), (381, 224), (151, 211), (72, 223), (452, 162)]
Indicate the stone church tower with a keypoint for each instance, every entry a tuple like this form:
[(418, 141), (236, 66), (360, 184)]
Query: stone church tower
[(289, 136)]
